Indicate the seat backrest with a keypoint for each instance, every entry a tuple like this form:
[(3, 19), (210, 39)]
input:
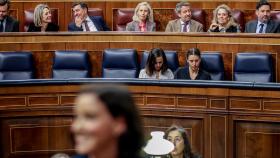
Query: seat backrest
[(71, 64), (254, 67), (29, 17), (122, 16), (238, 16), (120, 63), (275, 15), (212, 62), (16, 66), (95, 12), (171, 57)]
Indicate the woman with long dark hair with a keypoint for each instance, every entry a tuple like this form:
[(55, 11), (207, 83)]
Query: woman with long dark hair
[(156, 66), (192, 71), (106, 124)]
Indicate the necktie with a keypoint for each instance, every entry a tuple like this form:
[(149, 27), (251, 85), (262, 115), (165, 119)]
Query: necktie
[(261, 28), (1, 26), (185, 28), (86, 25)]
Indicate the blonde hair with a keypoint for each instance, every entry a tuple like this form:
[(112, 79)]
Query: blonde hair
[(150, 16), (231, 21), (38, 14)]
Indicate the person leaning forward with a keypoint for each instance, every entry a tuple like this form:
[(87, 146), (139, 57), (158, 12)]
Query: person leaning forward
[(7, 23)]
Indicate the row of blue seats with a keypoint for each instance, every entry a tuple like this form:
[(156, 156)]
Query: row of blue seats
[(123, 63)]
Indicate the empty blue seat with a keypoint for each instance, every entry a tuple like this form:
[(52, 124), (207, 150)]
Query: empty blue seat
[(171, 57), (254, 67), (212, 62), (71, 64), (120, 63), (16, 66)]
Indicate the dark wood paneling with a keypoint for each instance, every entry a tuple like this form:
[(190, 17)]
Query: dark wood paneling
[(257, 139), (163, 10)]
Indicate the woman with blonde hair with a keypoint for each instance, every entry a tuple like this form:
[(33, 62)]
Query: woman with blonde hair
[(143, 19), (223, 20), (42, 20)]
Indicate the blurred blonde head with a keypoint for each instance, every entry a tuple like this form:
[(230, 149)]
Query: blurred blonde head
[(230, 22), (38, 14), (150, 16)]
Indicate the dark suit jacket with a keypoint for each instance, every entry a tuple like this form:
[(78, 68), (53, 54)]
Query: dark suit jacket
[(272, 27), (134, 26), (50, 27), (98, 22), (12, 25), (183, 73), (230, 29)]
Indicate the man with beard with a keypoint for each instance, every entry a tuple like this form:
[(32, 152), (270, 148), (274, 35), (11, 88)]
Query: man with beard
[(7, 23), (264, 23), (184, 23)]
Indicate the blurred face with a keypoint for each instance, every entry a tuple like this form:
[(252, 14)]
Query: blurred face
[(93, 127), (3, 11), (185, 13), (176, 138), (158, 64), (80, 12), (222, 16), (263, 13), (194, 62), (143, 13), (47, 16)]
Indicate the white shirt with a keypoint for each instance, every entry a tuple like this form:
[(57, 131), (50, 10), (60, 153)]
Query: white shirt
[(182, 26), (91, 25), (167, 75), (4, 24)]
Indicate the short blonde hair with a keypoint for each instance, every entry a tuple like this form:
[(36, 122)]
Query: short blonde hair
[(150, 15), (38, 14), (231, 21)]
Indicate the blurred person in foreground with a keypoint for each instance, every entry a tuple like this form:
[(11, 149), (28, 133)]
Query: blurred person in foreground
[(106, 124)]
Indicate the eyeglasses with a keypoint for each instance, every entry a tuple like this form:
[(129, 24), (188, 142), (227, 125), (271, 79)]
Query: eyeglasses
[(176, 140)]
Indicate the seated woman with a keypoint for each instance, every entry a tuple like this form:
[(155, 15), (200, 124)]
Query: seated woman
[(178, 136), (223, 20), (156, 66), (42, 20), (106, 124), (143, 19), (192, 71)]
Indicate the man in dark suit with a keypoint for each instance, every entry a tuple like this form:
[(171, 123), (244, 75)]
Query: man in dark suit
[(83, 22), (264, 23), (7, 23)]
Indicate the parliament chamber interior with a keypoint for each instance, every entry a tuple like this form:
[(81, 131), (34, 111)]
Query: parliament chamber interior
[(234, 115)]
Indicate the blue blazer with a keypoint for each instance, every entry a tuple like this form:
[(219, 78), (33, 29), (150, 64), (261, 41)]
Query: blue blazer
[(272, 27), (98, 22)]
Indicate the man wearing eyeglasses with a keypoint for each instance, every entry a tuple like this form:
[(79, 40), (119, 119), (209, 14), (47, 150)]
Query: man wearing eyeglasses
[(7, 23)]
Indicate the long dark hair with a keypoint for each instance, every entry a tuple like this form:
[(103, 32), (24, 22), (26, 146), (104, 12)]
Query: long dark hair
[(187, 147), (119, 103), (151, 61), (193, 51)]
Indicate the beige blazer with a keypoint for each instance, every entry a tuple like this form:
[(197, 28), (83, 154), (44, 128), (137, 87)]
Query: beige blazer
[(175, 26), (134, 26)]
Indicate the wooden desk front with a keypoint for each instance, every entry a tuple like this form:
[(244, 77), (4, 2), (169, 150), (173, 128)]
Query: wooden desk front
[(224, 120)]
